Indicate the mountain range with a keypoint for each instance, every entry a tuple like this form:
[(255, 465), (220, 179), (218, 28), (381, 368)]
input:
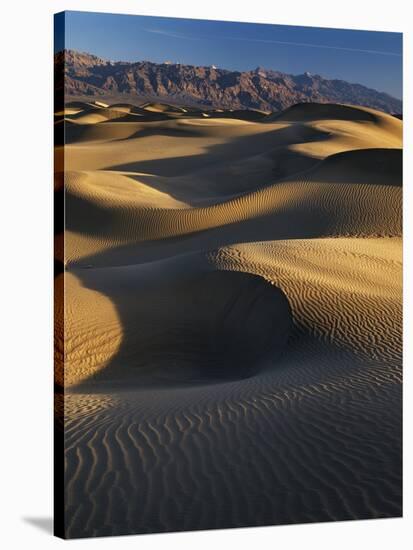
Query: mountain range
[(83, 74)]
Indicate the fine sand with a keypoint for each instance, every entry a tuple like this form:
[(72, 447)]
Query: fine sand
[(232, 329)]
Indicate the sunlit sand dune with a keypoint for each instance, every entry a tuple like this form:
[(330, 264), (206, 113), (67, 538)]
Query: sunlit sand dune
[(332, 199), (233, 320)]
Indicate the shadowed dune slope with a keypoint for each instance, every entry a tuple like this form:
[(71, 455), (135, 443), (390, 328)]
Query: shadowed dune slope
[(187, 327), (362, 166)]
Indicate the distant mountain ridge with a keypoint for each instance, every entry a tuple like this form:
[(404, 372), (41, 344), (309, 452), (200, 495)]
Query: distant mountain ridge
[(264, 89)]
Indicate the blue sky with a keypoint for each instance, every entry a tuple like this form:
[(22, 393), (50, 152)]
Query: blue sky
[(370, 58)]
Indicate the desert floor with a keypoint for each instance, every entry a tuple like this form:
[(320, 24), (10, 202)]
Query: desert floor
[(233, 316)]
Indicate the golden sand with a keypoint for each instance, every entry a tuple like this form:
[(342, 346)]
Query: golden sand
[(233, 316)]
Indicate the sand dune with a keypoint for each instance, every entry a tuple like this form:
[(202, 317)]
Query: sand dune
[(302, 112), (214, 324), (233, 317), (337, 193)]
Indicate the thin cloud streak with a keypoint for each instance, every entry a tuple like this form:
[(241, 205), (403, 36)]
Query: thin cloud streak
[(268, 41), (302, 44), (173, 34)]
